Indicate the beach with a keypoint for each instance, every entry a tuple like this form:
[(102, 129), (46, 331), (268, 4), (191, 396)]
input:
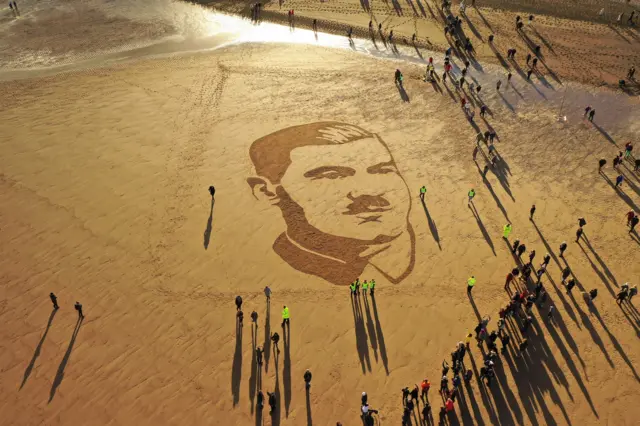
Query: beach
[(107, 160)]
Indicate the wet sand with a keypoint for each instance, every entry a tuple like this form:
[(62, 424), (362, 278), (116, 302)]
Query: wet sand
[(104, 200)]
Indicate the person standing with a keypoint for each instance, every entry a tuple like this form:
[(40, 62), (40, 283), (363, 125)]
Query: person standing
[(254, 318), (470, 283), (528, 58), (630, 216), (285, 316), (508, 281), (365, 287), (240, 318), (272, 402), (212, 191), (621, 296), (475, 152), (521, 249), (579, 234), (267, 293), (565, 274), (634, 222), (506, 231), (78, 308), (471, 194), (632, 292), (423, 192), (54, 300), (352, 287), (529, 74), (592, 113), (532, 211), (498, 84), (260, 403), (238, 303), (570, 284), (307, 379), (563, 247), (425, 386), (259, 355), (619, 180), (601, 164), (275, 338), (372, 286), (532, 254), (523, 347)]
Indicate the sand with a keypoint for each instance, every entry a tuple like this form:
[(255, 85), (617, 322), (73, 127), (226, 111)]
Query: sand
[(104, 200)]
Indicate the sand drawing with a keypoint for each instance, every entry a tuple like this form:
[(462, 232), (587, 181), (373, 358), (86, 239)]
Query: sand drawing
[(344, 203)]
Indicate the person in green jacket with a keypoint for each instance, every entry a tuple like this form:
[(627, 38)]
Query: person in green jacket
[(506, 230), (365, 287), (372, 285), (471, 194), (470, 283), (285, 315), (423, 192), (352, 287)]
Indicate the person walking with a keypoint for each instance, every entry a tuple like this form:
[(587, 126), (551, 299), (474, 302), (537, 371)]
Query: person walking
[(532, 254), (260, 403), (275, 338), (515, 246), (307, 379), (529, 74), (592, 113), (550, 316), (254, 318), (423, 192), (570, 284), (285, 316), (534, 63), (267, 293), (238, 303), (471, 194), (475, 152), (619, 180), (498, 84), (579, 234), (506, 231), (565, 274), (528, 58), (563, 247), (470, 283), (78, 308), (634, 222), (532, 210), (601, 164), (54, 300), (212, 191)]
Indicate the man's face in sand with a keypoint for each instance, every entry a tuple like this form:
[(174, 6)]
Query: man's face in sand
[(348, 190)]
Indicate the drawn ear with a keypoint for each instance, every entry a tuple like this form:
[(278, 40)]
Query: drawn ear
[(262, 189)]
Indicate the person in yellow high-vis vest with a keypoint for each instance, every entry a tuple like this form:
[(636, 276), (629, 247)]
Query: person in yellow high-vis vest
[(506, 230), (352, 287), (365, 287), (285, 315), (372, 286), (470, 283)]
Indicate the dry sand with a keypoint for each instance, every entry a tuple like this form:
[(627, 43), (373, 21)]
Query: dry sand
[(104, 177)]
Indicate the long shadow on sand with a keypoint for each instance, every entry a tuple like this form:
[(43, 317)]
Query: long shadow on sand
[(485, 234), (403, 93), (253, 380), (65, 360), (236, 372), (266, 347), (36, 353), (432, 225), (361, 334), (286, 368), (370, 327), (207, 231), (383, 347)]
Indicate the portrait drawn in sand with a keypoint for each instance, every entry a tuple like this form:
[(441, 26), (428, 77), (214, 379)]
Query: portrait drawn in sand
[(344, 203)]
